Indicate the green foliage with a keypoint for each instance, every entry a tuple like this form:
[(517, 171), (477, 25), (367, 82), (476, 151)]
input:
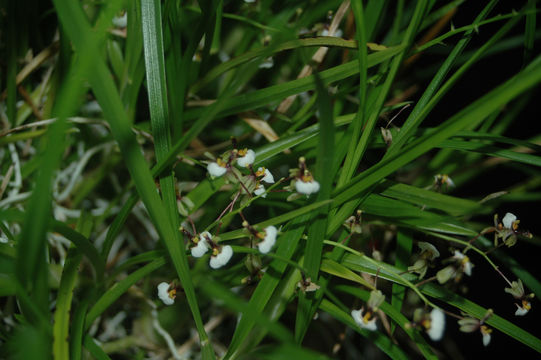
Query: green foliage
[(131, 211)]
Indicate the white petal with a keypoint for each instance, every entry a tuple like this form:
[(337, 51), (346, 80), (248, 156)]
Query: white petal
[(267, 63), (358, 317), (268, 178), (200, 249), (508, 220), (270, 239), (215, 170), (265, 246), (260, 190), (121, 21), (428, 247), (521, 311), (163, 293), (247, 159), (437, 324), (204, 235), (307, 188), (467, 267), (222, 258), (486, 339), (270, 233)]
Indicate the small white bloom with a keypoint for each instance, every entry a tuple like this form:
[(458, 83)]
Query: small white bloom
[(270, 239), (486, 339), (202, 245), (523, 310), (485, 332), (268, 178), (249, 1), (247, 158), (220, 259), (338, 33), (260, 190), (267, 63), (168, 297), (508, 220), (307, 188), (121, 21), (215, 169), (465, 262), (364, 322), (437, 324)]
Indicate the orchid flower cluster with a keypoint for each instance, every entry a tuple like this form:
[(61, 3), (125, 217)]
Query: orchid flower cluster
[(302, 181), (507, 230), (458, 265), (203, 243), (517, 290), (470, 324)]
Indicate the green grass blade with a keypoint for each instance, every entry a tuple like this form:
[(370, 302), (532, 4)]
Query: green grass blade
[(316, 231), (404, 247), (286, 352), (270, 94), (265, 288), (250, 55), (384, 90), (381, 341), (111, 295), (397, 318), (472, 114), (529, 33), (65, 295), (430, 199), (430, 98), (235, 234), (96, 351), (357, 263), (477, 311), (216, 291), (349, 163), (161, 129), (77, 328), (491, 151)]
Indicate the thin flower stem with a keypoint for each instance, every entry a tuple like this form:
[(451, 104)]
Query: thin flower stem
[(242, 184), (479, 251), (451, 314), (425, 281), (504, 277)]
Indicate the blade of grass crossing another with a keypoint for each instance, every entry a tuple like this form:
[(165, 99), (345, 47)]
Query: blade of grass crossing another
[(65, 294), (375, 109), (74, 20), (316, 231), (267, 285), (382, 341), (120, 288), (157, 95), (360, 30), (404, 246), (472, 114)]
